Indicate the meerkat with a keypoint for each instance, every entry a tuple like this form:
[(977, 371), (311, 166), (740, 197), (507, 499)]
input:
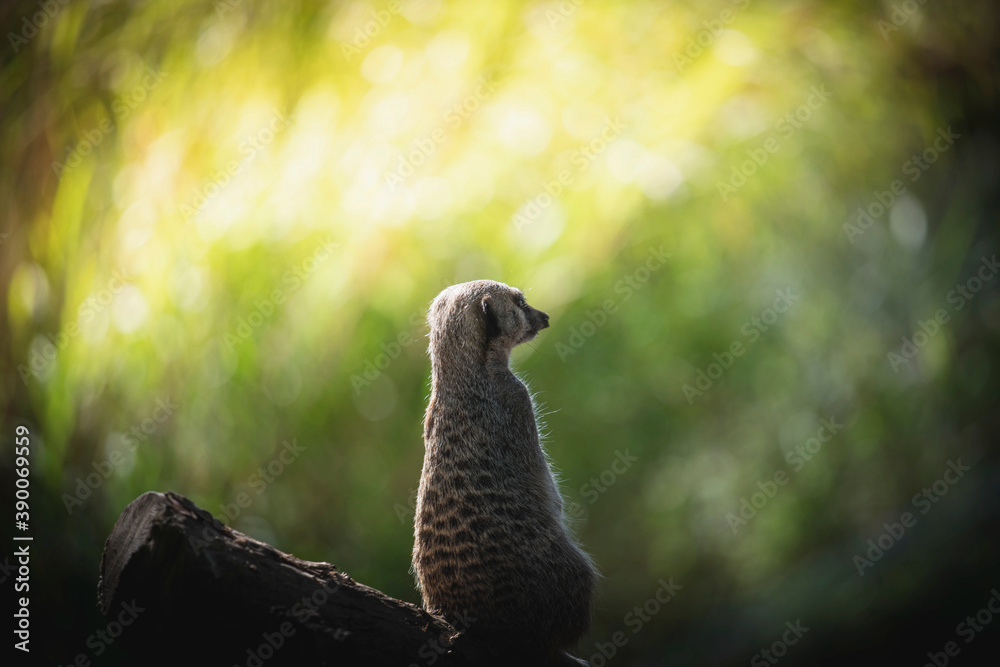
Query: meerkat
[(491, 544)]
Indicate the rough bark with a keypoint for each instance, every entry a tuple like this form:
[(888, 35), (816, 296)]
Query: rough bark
[(186, 587)]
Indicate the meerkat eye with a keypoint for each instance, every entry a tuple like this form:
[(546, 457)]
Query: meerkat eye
[(521, 301)]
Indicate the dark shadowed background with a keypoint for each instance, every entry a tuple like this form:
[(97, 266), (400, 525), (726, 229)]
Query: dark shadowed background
[(766, 234)]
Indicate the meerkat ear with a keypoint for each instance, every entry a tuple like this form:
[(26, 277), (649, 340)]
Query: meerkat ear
[(490, 317)]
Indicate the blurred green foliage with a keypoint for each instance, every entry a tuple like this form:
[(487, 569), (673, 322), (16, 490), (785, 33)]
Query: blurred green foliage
[(223, 224)]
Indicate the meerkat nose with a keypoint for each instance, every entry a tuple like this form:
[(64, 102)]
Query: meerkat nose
[(545, 320)]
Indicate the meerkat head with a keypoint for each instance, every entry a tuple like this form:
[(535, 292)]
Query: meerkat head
[(484, 315)]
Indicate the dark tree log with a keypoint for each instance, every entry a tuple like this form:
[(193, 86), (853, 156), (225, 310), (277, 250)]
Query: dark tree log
[(179, 580)]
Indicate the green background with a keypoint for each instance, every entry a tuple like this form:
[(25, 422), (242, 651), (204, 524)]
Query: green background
[(199, 214)]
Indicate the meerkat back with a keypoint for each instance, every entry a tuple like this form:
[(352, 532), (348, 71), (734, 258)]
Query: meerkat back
[(491, 549)]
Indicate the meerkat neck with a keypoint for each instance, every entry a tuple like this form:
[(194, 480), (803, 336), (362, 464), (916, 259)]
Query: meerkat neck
[(465, 364)]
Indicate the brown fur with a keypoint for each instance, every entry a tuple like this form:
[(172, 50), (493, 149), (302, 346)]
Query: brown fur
[(490, 539)]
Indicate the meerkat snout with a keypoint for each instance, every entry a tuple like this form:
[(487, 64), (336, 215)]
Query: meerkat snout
[(537, 319)]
